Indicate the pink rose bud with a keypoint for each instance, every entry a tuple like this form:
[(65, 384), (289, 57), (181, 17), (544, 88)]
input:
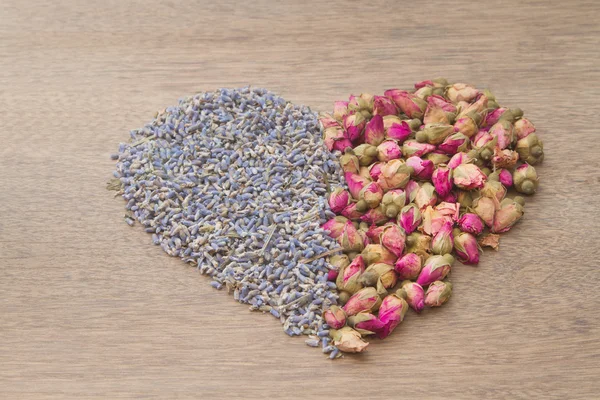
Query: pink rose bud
[(481, 139), (426, 196), (468, 177), (438, 293), (349, 163), (493, 188), (504, 158), (335, 226), (391, 312), (340, 110), (392, 202), (485, 208), (458, 159), (375, 171), (366, 299), (461, 92), (348, 277), (434, 133), (442, 180), (419, 244), (510, 211), (450, 210), (439, 111), (393, 238), (414, 148), (422, 84), (355, 183), (399, 131), (351, 212), (408, 103), (523, 128), (327, 121), (385, 273), (478, 106), (388, 150), (383, 106), (365, 153), (505, 178), (437, 158), (433, 220), (371, 194), (530, 149), (335, 139), (503, 130), (468, 124), (390, 120), (348, 340), (365, 323), (415, 295), (422, 168), (394, 174), (411, 189), (375, 216), (436, 268), (338, 263), (471, 223), (409, 218), (454, 144), (377, 253), (466, 248), (409, 266), (374, 132), (451, 197), (493, 117), (338, 200), (424, 92), (361, 103), (354, 124), (525, 179), (374, 232), (332, 275), (335, 317), (350, 239), (443, 241)]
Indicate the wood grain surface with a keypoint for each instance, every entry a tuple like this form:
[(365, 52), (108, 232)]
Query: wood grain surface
[(89, 308)]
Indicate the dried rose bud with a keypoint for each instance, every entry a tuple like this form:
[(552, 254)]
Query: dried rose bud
[(391, 313), (371, 194), (454, 144), (393, 238), (523, 128), (354, 124), (349, 163), (338, 199), (461, 92), (433, 220), (510, 211), (408, 103), (419, 244), (374, 233), (375, 216), (364, 172), (424, 92), (505, 177), (422, 168), (351, 212), (366, 299), (449, 198), (355, 183), (438, 293), (348, 340), (350, 239), (335, 317), (376, 253), (437, 158), (375, 170), (442, 180), (436, 268), (434, 133), (365, 323), (471, 223), (427, 83), (425, 196), (409, 266), (332, 275), (385, 272), (468, 177), (486, 207), (335, 139), (390, 120), (490, 240), (388, 150), (327, 121), (340, 110), (481, 139), (477, 107), (399, 131), (511, 115), (394, 174), (338, 263), (504, 158), (493, 117), (525, 179), (392, 202), (335, 226), (362, 103), (383, 106), (409, 218), (530, 149), (450, 210), (439, 111), (468, 124), (414, 294), (374, 132), (458, 159), (466, 247), (366, 154), (465, 198), (443, 241), (414, 148), (493, 188), (411, 189), (503, 130), (348, 278)]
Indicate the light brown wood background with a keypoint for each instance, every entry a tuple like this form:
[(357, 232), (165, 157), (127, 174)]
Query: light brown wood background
[(89, 308)]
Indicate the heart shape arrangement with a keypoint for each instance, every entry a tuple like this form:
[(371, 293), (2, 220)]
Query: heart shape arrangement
[(427, 174)]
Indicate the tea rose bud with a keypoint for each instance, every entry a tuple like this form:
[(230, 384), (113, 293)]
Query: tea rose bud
[(365, 323), (461, 92), (348, 340), (335, 139), (434, 133), (490, 240), (375, 170), (383, 106), (525, 179), (338, 199), (530, 149), (408, 103), (437, 158), (355, 183), (468, 177), (419, 244), (493, 188), (371, 194), (442, 180), (523, 128), (327, 121), (481, 139), (454, 144), (348, 278), (414, 148), (511, 115), (427, 83), (409, 218), (391, 312), (468, 124), (350, 239), (414, 294), (366, 299), (510, 211), (458, 159), (393, 238), (503, 130), (424, 92), (466, 248), (411, 189), (439, 111), (409, 266), (394, 174), (366, 154), (436, 268), (464, 198), (388, 150), (504, 158), (374, 132), (375, 216), (376, 253), (351, 212), (486, 207), (426, 196), (493, 117), (335, 317), (443, 241), (338, 263), (399, 131), (335, 226), (450, 210), (433, 220), (340, 110), (392, 202), (354, 124), (385, 272), (422, 168), (450, 197), (362, 104), (505, 177), (374, 232), (476, 107), (349, 163), (438, 293), (471, 223)]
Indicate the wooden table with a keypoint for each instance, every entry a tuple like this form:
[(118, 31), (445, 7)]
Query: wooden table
[(89, 308)]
